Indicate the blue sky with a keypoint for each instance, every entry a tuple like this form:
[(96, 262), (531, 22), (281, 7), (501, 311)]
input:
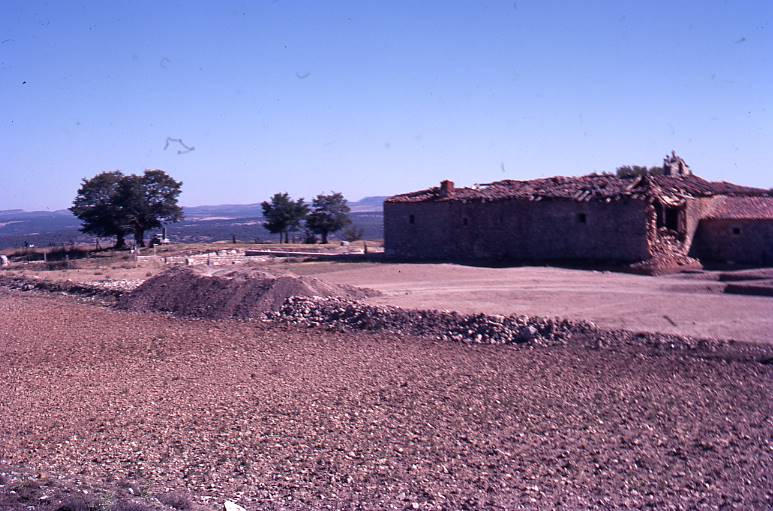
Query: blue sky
[(377, 98)]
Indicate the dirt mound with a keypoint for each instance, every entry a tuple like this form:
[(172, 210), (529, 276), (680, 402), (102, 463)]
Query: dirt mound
[(218, 294)]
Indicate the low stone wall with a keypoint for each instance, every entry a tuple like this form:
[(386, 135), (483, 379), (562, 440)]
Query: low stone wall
[(218, 258)]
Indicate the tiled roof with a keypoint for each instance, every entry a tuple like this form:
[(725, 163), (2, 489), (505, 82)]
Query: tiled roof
[(742, 208), (586, 188)]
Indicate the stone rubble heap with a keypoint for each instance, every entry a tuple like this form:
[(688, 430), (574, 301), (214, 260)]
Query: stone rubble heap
[(668, 255), (345, 314), (66, 287), (121, 285)]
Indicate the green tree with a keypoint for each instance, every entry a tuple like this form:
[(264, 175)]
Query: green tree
[(146, 201), (638, 170), (353, 233), (283, 214), (114, 204), (96, 208), (330, 214)]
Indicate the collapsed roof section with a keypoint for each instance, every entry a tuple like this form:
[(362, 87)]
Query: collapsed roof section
[(587, 188)]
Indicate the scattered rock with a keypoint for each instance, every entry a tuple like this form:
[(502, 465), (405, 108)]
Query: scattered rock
[(232, 506), (345, 314)]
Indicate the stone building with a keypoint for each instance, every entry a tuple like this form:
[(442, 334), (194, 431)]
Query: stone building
[(667, 220)]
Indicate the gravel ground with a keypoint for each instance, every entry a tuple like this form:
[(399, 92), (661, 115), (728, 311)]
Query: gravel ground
[(282, 417)]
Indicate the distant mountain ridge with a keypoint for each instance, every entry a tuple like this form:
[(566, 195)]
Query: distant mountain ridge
[(201, 223), (368, 205), (365, 205)]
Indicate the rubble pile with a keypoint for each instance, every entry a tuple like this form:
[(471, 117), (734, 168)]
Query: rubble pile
[(53, 286), (667, 255), (121, 285), (345, 314)]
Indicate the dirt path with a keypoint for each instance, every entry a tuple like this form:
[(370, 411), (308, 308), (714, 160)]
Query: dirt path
[(672, 304), (284, 418)]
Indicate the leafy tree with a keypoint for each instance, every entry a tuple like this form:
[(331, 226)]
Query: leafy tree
[(282, 215), (638, 170), (353, 233), (148, 200), (330, 214), (114, 204), (309, 237), (95, 206)]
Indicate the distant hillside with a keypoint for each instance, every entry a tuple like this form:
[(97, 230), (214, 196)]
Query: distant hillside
[(225, 210), (201, 224), (368, 205), (365, 205)]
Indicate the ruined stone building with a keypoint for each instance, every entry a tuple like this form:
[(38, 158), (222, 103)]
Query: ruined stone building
[(676, 217)]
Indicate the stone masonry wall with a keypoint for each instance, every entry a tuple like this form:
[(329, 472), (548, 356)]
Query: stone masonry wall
[(517, 230), (739, 241), (696, 210)]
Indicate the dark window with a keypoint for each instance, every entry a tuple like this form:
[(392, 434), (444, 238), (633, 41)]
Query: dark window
[(672, 219), (465, 221), (411, 219), (669, 217), (736, 230), (582, 218)]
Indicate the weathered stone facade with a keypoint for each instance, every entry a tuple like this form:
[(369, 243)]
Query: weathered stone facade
[(737, 230), (597, 218), (517, 230)]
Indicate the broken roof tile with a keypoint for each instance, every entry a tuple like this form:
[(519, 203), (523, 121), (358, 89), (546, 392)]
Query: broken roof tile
[(742, 208), (586, 188)]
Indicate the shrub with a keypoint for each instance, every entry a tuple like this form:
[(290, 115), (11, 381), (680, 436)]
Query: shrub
[(352, 233), (74, 504), (27, 490), (176, 500), (127, 505)]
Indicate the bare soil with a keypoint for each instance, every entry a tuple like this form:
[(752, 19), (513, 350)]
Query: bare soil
[(685, 304), (289, 418), (236, 292)]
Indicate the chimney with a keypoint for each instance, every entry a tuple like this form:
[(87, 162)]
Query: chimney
[(446, 188), (675, 165)]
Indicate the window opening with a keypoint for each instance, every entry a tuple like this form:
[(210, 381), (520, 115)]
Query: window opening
[(669, 217)]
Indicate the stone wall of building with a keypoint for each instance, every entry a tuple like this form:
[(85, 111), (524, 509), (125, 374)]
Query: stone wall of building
[(738, 241), (696, 210), (518, 230)]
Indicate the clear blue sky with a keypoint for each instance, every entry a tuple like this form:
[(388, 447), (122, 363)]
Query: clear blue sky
[(377, 97)]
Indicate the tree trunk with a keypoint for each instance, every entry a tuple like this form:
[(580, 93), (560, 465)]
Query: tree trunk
[(120, 242), (324, 237), (139, 237)]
